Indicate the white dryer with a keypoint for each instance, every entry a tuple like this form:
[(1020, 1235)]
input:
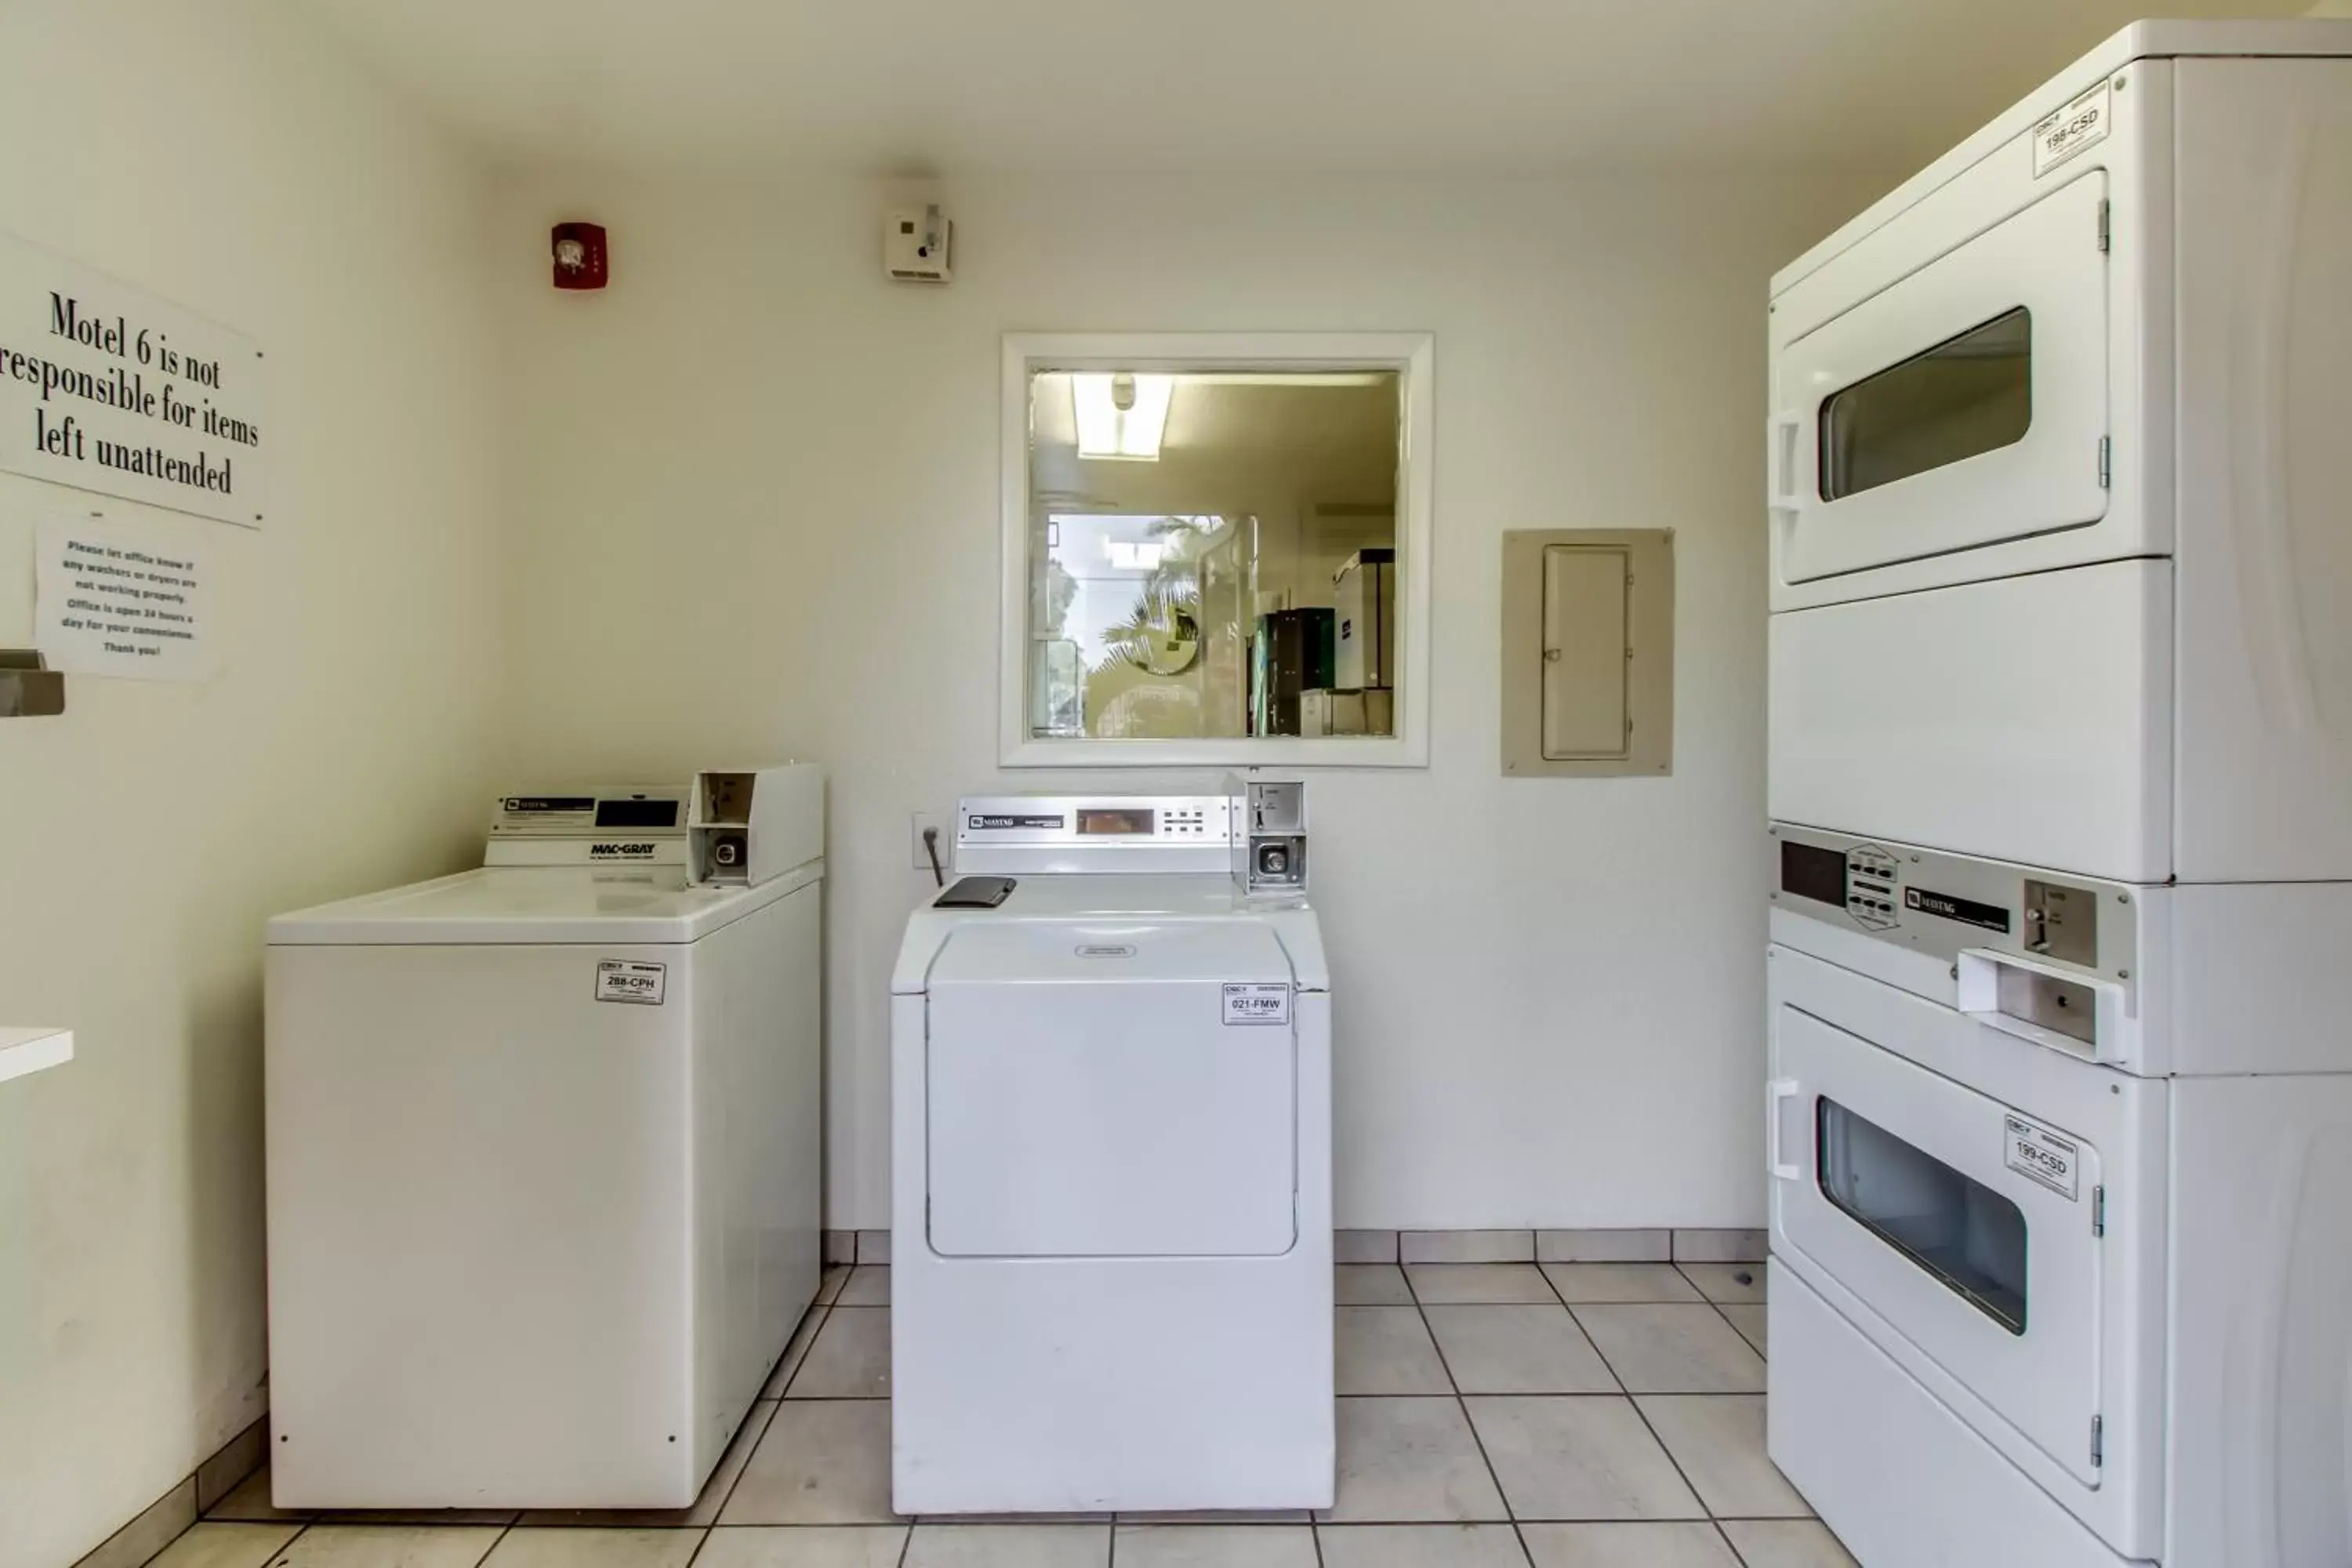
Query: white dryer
[(1111, 1171), (543, 1154)]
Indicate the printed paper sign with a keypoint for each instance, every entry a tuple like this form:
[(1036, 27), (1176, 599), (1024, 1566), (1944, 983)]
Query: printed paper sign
[(1256, 1003), (627, 980), (2082, 123), (2044, 1156), (105, 387), (125, 599)]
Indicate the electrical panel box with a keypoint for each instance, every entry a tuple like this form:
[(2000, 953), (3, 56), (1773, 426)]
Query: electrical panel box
[(1588, 652)]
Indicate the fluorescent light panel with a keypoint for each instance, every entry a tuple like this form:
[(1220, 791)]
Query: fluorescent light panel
[(1107, 430)]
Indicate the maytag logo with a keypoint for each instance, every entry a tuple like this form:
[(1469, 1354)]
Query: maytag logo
[(619, 851)]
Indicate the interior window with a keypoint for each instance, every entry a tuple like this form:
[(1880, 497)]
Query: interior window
[(1969, 395), (1212, 554), (1958, 1229)]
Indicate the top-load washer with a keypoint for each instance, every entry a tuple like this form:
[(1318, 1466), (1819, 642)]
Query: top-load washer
[(1111, 1190), (2058, 483), (544, 1156)]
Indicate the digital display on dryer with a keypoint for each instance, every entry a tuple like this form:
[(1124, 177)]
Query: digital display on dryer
[(1116, 821), (1811, 872)]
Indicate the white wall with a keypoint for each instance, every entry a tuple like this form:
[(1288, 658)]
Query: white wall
[(754, 511), (219, 156)]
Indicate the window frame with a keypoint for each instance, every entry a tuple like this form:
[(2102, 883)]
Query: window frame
[(1411, 355)]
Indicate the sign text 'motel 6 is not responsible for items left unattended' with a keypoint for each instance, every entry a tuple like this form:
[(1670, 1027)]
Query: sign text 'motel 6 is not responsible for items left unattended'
[(105, 387)]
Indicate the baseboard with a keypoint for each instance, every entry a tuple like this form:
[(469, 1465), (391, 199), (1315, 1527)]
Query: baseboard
[(168, 1518), (1638, 1245)]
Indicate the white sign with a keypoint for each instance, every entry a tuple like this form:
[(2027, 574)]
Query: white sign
[(2041, 1154), (627, 980), (125, 599), (2082, 123), (106, 387), (1256, 1003)]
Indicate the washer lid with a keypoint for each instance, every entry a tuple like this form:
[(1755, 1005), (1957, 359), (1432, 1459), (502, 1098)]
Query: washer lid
[(1109, 950), (534, 904)]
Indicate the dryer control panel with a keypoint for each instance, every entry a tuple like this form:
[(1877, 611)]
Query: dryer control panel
[(1945, 905)]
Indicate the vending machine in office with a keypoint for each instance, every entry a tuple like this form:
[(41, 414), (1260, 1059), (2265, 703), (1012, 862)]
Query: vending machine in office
[(2059, 1115)]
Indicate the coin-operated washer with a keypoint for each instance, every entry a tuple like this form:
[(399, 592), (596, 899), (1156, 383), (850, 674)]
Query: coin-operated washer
[(1111, 1172), (544, 1152)]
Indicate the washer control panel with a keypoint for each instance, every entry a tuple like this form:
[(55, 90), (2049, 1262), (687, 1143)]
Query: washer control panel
[(1038, 833)]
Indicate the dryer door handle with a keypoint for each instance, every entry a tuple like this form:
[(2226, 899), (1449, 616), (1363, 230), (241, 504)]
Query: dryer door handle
[(1776, 1095), (1783, 437)]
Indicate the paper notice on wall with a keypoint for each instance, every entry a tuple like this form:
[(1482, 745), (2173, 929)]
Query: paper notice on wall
[(117, 598), (107, 388)]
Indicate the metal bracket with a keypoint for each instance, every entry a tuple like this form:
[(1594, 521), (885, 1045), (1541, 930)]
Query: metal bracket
[(29, 688)]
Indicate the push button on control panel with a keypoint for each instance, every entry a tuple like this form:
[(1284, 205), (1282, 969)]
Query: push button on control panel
[(1870, 887)]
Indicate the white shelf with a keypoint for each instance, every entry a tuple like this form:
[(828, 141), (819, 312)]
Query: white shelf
[(23, 1051)]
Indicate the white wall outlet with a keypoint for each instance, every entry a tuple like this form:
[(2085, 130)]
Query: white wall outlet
[(932, 819)]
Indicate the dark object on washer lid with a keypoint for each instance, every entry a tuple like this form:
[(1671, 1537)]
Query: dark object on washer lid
[(975, 893)]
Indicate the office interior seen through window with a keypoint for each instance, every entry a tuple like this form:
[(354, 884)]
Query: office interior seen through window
[(1213, 554)]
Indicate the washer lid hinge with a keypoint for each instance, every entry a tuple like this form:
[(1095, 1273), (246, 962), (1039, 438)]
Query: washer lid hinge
[(2098, 1211), (2098, 1441), (2106, 460), (2106, 235)]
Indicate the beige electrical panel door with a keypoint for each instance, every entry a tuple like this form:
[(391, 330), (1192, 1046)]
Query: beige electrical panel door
[(1588, 652)]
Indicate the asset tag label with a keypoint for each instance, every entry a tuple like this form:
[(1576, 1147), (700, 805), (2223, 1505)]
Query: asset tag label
[(2044, 1156), (1251, 1002), (2082, 123), (627, 980)]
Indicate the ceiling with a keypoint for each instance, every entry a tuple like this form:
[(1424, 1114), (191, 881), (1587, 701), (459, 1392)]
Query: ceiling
[(940, 87)]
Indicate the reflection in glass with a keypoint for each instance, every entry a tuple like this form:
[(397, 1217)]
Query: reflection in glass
[(1191, 538), (1967, 395), (1963, 1232)]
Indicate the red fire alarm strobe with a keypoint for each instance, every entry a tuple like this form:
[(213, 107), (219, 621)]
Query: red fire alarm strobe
[(580, 258)]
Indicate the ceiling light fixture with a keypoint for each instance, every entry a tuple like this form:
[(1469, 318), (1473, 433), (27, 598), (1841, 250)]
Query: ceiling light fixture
[(1122, 416)]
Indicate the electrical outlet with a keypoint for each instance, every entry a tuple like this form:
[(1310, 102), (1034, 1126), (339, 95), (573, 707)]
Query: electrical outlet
[(932, 819)]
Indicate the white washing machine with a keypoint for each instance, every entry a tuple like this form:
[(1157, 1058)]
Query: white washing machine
[(1111, 1131), (543, 1154)]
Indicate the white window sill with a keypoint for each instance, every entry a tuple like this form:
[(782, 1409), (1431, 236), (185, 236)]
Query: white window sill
[(23, 1051)]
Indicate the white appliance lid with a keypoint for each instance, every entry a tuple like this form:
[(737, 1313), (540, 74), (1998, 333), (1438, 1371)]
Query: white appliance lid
[(1109, 950), (534, 904)]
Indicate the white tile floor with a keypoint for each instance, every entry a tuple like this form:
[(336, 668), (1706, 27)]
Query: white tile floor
[(1491, 1415)]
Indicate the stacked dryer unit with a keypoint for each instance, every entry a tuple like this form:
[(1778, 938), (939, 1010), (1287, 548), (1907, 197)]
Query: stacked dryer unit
[(2061, 963)]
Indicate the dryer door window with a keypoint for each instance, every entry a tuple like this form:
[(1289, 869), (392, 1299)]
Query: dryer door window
[(1970, 394), (1960, 1231)]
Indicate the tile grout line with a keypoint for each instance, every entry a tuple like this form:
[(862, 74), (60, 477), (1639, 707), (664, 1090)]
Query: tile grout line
[(825, 1311), (504, 1531), (1422, 1308), (284, 1546)]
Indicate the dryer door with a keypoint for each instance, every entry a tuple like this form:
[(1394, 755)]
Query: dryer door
[(1966, 1224), (1112, 1089), (1959, 407)]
